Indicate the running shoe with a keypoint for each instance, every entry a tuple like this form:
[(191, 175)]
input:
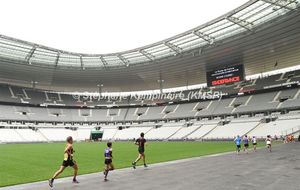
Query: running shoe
[(134, 165), (50, 182)]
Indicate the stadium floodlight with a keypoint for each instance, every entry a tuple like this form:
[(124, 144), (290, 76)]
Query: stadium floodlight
[(100, 89), (176, 49), (33, 83), (282, 3), (242, 23), (160, 81), (147, 54), (29, 55), (205, 37)]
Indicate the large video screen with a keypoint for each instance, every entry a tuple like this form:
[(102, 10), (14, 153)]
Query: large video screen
[(226, 75)]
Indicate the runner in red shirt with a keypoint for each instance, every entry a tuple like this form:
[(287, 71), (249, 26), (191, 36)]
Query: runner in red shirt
[(141, 144)]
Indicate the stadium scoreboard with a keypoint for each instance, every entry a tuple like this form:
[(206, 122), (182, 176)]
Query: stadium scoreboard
[(226, 75)]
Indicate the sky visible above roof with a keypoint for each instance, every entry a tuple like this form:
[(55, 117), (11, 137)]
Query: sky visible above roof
[(98, 26)]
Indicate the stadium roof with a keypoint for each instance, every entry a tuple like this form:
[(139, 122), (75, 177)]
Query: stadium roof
[(205, 47)]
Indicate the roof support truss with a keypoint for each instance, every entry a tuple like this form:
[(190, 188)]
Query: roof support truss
[(242, 23), (81, 63), (147, 54), (173, 47), (124, 60), (205, 37), (57, 59), (30, 54), (281, 3), (103, 61)]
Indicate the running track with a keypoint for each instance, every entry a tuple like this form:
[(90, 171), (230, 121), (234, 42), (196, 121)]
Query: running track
[(262, 170)]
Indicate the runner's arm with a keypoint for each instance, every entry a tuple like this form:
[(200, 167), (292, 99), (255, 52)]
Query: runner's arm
[(67, 150)]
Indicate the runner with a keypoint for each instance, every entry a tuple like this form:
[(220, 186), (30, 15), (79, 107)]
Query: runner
[(254, 143), (269, 143), (108, 160), (237, 142), (68, 161), (141, 144), (246, 143)]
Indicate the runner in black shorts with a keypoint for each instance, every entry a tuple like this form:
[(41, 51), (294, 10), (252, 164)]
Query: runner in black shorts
[(237, 142), (108, 160), (141, 143), (246, 143), (68, 161)]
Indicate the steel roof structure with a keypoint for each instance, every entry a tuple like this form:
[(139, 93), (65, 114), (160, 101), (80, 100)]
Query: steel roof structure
[(184, 58)]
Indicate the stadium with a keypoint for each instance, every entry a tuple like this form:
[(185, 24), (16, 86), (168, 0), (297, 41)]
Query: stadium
[(191, 95)]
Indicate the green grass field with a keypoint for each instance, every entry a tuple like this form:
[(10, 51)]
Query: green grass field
[(24, 163)]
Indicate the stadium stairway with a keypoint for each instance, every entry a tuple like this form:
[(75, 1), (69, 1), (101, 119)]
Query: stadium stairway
[(175, 133), (279, 105), (11, 92), (276, 97), (44, 136), (296, 95), (295, 133), (281, 77), (232, 102), (261, 124), (257, 126), (23, 139), (113, 137), (125, 116), (192, 132), (210, 130), (250, 97), (148, 131)]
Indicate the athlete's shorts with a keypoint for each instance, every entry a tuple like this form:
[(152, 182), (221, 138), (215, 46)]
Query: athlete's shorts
[(67, 163), (141, 150), (238, 146), (246, 145), (108, 161), (254, 143)]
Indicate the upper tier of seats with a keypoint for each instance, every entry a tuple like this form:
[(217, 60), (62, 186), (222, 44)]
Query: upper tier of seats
[(22, 104), (269, 101), (13, 94)]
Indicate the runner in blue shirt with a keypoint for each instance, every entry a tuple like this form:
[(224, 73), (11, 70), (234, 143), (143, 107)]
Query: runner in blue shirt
[(237, 142)]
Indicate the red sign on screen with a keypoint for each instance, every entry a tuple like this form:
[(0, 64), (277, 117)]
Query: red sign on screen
[(226, 80)]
